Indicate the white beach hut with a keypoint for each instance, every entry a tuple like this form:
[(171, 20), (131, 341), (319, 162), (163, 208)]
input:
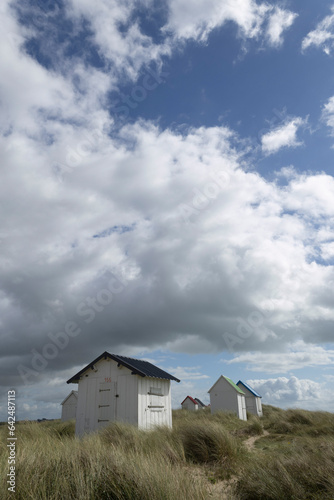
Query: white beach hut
[(200, 403), (69, 406), (253, 399), (189, 404), (118, 388), (226, 395)]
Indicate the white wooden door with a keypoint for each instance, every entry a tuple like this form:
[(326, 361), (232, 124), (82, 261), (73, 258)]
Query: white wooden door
[(244, 409), (106, 404), (242, 413)]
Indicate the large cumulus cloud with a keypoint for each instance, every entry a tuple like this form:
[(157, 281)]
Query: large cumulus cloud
[(200, 243), (294, 393)]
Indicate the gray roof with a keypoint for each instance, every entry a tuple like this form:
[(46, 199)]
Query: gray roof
[(199, 402), (75, 393), (137, 367)]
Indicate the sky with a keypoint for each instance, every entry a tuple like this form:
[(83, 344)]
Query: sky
[(167, 193)]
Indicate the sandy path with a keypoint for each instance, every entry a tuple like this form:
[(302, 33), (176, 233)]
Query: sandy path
[(223, 490), (249, 443)]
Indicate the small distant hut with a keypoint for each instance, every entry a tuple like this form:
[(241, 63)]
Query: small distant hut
[(225, 395), (189, 404), (200, 404), (118, 388), (253, 399), (69, 406)]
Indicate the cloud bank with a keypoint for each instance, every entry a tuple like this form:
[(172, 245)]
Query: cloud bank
[(297, 355), (293, 393)]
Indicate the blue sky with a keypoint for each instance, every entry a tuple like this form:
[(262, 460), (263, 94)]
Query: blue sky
[(168, 189)]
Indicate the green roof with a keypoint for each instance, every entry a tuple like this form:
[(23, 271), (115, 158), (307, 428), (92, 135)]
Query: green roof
[(233, 385)]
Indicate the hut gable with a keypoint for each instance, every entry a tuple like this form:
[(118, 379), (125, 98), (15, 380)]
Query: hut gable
[(69, 406), (227, 396), (253, 399), (118, 388)]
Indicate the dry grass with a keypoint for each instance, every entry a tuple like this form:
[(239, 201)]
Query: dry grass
[(202, 457)]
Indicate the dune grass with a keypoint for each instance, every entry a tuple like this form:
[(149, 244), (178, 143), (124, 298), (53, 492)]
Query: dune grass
[(297, 468), (202, 457), (295, 461), (298, 422)]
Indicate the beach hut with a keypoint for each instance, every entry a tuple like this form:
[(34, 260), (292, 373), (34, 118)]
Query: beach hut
[(69, 406), (200, 404), (189, 404), (118, 388), (253, 399), (227, 396)]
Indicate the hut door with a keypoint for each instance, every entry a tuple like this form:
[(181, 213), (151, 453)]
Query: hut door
[(250, 404), (106, 404), (242, 407)]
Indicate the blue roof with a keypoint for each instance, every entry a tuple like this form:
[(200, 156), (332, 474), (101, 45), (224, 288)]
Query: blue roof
[(249, 388)]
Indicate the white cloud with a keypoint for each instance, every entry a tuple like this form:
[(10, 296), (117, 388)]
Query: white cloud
[(127, 49), (284, 135), (196, 19), (312, 193), (293, 392), (328, 114), (297, 355), (279, 21), (187, 373), (39, 104), (327, 251), (322, 36)]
